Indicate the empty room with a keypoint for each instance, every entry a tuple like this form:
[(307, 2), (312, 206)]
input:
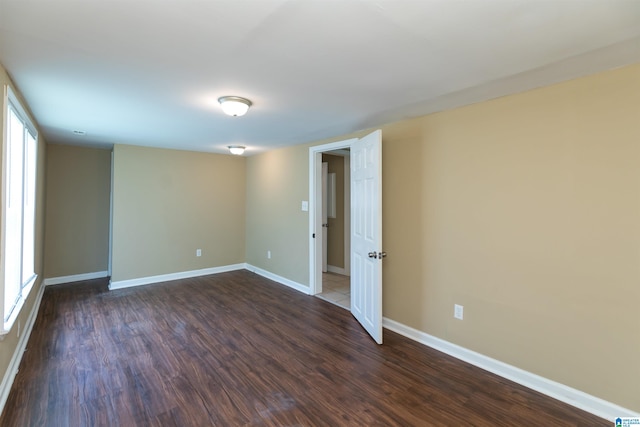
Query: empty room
[(320, 213)]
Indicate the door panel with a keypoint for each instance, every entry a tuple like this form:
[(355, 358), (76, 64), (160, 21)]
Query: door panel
[(366, 233)]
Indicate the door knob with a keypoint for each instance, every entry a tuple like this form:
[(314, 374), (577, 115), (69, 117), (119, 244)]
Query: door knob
[(373, 255), (382, 255), (325, 225)]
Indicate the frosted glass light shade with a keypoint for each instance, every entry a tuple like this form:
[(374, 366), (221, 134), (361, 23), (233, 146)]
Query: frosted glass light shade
[(236, 149), (234, 105)]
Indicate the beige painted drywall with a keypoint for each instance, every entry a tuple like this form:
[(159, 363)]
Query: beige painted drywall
[(335, 232), (77, 222), (277, 183), (168, 203), (523, 209), (9, 343)]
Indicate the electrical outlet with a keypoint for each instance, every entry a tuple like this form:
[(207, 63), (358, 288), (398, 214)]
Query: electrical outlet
[(458, 311), (268, 254), (198, 252)]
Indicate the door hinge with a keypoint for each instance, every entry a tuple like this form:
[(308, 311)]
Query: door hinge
[(313, 235)]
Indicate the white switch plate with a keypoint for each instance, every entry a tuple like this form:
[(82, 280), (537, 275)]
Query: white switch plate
[(268, 254), (198, 252), (458, 311), (305, 205)]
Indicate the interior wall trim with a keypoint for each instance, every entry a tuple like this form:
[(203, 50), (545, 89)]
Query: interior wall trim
[(75, 278), (282, 280), (12, 369), (120, 284), (558, 391)]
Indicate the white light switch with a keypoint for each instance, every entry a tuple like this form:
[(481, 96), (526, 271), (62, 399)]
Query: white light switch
[(305, 205)]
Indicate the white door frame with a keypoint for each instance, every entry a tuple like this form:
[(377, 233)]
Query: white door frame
[(315, 211), (325, 219), (110, 261), (347, 214)]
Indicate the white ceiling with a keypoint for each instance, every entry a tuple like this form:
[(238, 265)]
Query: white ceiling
[(148, 72)]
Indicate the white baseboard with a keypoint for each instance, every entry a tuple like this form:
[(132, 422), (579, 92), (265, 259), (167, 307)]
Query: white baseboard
[(282, 280), (561, 392), (12, 369), (75, 278), (120, 284), (336, 270)]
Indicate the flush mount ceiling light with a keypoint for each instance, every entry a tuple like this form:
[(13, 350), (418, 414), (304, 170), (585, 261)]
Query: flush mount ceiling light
[(234, 105), (237, 149)]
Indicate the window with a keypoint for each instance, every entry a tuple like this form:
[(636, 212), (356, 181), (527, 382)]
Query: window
[(17, 259)]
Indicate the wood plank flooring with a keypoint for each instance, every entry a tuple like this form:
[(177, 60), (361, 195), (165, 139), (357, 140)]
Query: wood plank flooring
[(235, 349)]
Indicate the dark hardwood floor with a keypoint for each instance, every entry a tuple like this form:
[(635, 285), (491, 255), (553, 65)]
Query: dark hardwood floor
[(235, 349)]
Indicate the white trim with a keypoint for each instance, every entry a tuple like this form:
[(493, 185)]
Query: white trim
[(282, 280), (10, 101), (561, 392), (17, 308), (173, 276), (324, 177), (49, 281), (337, 270), (315, 221), (12, 369), (3, 190), (110, 261), (12, 98), (347, 214), (120, 284)]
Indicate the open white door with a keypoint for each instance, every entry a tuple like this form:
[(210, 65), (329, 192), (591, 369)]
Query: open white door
[(366, 233)]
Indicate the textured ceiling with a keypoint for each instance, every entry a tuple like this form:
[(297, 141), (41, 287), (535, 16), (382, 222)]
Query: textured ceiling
[(150, 72)]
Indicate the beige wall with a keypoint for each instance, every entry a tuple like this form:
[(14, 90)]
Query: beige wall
[(528, 216), (168, 203), (277, 183), (77, 220), (335, 235), (9, 344), (524, 209)]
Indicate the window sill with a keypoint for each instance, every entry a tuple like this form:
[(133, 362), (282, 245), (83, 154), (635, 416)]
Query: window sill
[(8, 324)]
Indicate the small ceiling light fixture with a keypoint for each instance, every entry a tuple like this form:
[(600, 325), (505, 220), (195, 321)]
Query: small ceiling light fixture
[(237, 149), (234, 105)]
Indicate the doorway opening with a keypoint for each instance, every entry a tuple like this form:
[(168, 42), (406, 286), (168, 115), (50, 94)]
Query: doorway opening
[(330, 278), (365, 229), (336, 227)]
